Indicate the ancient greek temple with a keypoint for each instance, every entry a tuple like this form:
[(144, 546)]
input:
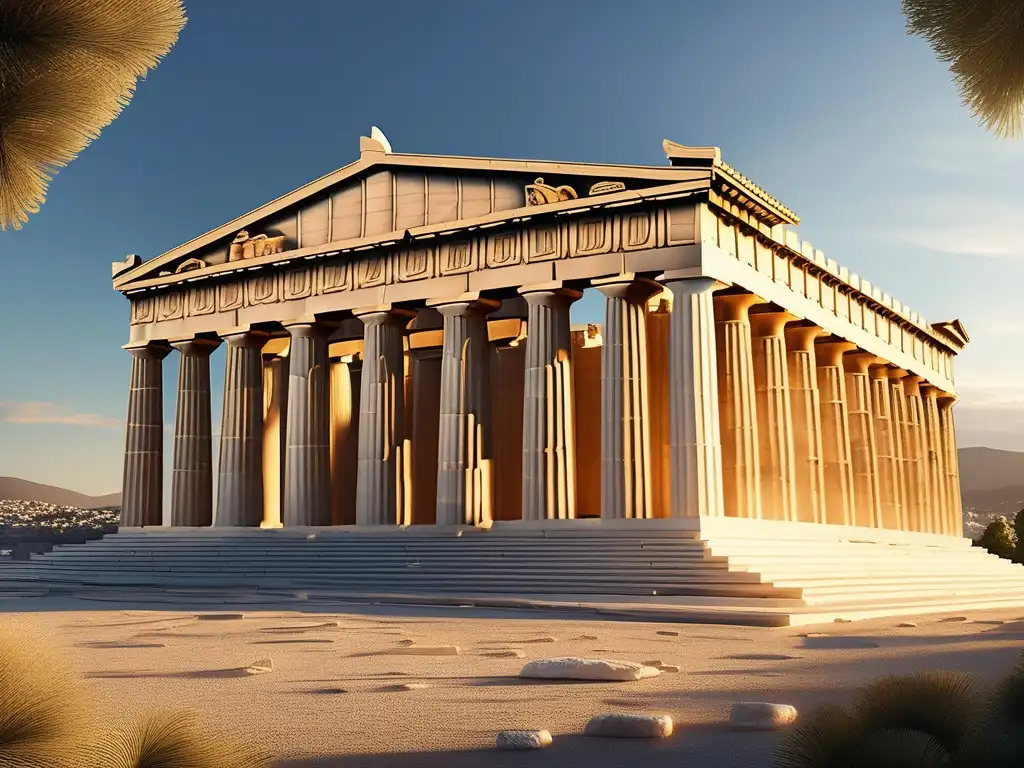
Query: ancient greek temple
[(399, 356)]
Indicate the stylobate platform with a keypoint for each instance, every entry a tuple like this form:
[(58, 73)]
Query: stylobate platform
[(714, 570)]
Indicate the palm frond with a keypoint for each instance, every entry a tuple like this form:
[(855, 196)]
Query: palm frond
[(983, 43), (67, 69)]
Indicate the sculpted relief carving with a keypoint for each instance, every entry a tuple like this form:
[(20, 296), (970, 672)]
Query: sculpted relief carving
[(246, 247), (540, 193)]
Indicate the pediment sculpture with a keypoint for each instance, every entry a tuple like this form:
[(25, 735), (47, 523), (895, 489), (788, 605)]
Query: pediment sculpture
[(540, 193), (246, 247), (188, 265), (607, 187)]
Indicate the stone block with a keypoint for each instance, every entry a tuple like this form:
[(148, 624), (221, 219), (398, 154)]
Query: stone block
[(571, 668), (761, 715), (523, 740), (630, 726)]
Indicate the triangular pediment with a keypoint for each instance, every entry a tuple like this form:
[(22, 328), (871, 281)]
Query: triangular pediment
[(954, 331)]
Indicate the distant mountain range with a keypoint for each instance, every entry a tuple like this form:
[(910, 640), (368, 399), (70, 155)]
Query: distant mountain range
[(991, 481), (23, 490)]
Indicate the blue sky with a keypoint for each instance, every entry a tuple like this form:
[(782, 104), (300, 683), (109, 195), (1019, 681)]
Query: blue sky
[(829, 106)]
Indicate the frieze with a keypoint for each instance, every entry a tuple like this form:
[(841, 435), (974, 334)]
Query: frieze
[(143, 310), (503, 249), (230, 296), (335, 276), (298, 283), (263, 289), (170, 306), (459, 257), (373, 271), (202, 300), (592, 235), (415, 264), (546, 242)]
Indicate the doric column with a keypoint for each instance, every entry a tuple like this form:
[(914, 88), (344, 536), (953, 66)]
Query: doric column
[(889, 475), (625, 432), (380, 484), (344, 435), (805, 405), (464, 426), (307, 474), (143, 480), (835, 432), (275, 417), (898, 407), (916, 457), (775, 420), (863, 453), (549, 477), (695, 438), (935, 460), (952, 464), (741, 490), (192, 472), (240, 470)]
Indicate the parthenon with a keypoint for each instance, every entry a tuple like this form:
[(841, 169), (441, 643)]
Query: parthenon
[(400, 353)]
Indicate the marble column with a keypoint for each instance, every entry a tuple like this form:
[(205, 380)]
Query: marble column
[(889, 475), (625, 431), (695, 461), (952, 463), (464, 427), (275, 417), (835, 432), (380, 482), (192, 472), (307, 472), (805, 406), (345, 378), (741, 488), (143, 480), (935, 455), (898, 407), (867, 511), (549, 476), (916, 457), (240, 470), (775, 419)]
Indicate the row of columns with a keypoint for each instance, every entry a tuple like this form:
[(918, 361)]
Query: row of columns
[(766, 419)]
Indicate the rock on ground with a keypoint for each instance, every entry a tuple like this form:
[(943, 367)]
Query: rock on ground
[(630, 726), (761, 715), (428, 650), (571, 668), (521, 740)]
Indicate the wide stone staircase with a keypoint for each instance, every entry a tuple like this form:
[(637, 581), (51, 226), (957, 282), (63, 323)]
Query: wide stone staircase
[(772, 575)]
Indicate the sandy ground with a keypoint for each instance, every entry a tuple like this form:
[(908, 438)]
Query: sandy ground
[(335, 696)]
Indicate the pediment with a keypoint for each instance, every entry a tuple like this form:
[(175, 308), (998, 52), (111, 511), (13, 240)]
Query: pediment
[(384, 192), (954, 331)]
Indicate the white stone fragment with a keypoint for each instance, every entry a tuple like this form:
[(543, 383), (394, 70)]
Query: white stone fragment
[(523, 740), (571, 668), (761, 715), (260, 667), (630, 726), (505, 653)]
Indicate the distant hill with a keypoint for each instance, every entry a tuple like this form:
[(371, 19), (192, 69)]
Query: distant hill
[(23, 490), (985, 469)]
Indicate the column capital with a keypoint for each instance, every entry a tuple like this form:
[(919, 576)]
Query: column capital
[(736, 306), (540, 293), (680, 281), (384, 313), (930, 390), (858, 361), (831, 352), (148, 350), (635, 290), (896, 374), (195, 345), (879, 369), (307, 327), (800, 338), (912, 382), (947, 400), (465, 303), (246, 339), (772, 323)]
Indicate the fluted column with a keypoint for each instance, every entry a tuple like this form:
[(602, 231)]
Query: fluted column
[(464, 428), (143, 479), (192, 472), (695, 436), (380, 484), (307, 472), (275, 417), (916, 458), (775, 419), (345, 379), (240, 470), (935, 460), (889, 475), (863, 452), (835, 432), (805, 406), (741, 489), (549, 476), (955, 510), (625, 432), (898, 404)]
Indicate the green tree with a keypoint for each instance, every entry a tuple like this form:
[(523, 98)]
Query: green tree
[(67, 69), (983, 43), (999, 538)]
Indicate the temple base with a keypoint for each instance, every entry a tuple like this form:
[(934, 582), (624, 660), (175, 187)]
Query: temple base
[(709, 570)]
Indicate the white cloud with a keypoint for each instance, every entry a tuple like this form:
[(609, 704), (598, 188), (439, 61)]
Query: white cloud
[(52, 413)]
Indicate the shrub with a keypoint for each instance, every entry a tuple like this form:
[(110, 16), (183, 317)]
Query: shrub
[(1018, 530), (999, 538)]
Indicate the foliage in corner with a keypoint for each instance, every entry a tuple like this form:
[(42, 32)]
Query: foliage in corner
[(1000, 539), (67, 69), (983, 43)]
